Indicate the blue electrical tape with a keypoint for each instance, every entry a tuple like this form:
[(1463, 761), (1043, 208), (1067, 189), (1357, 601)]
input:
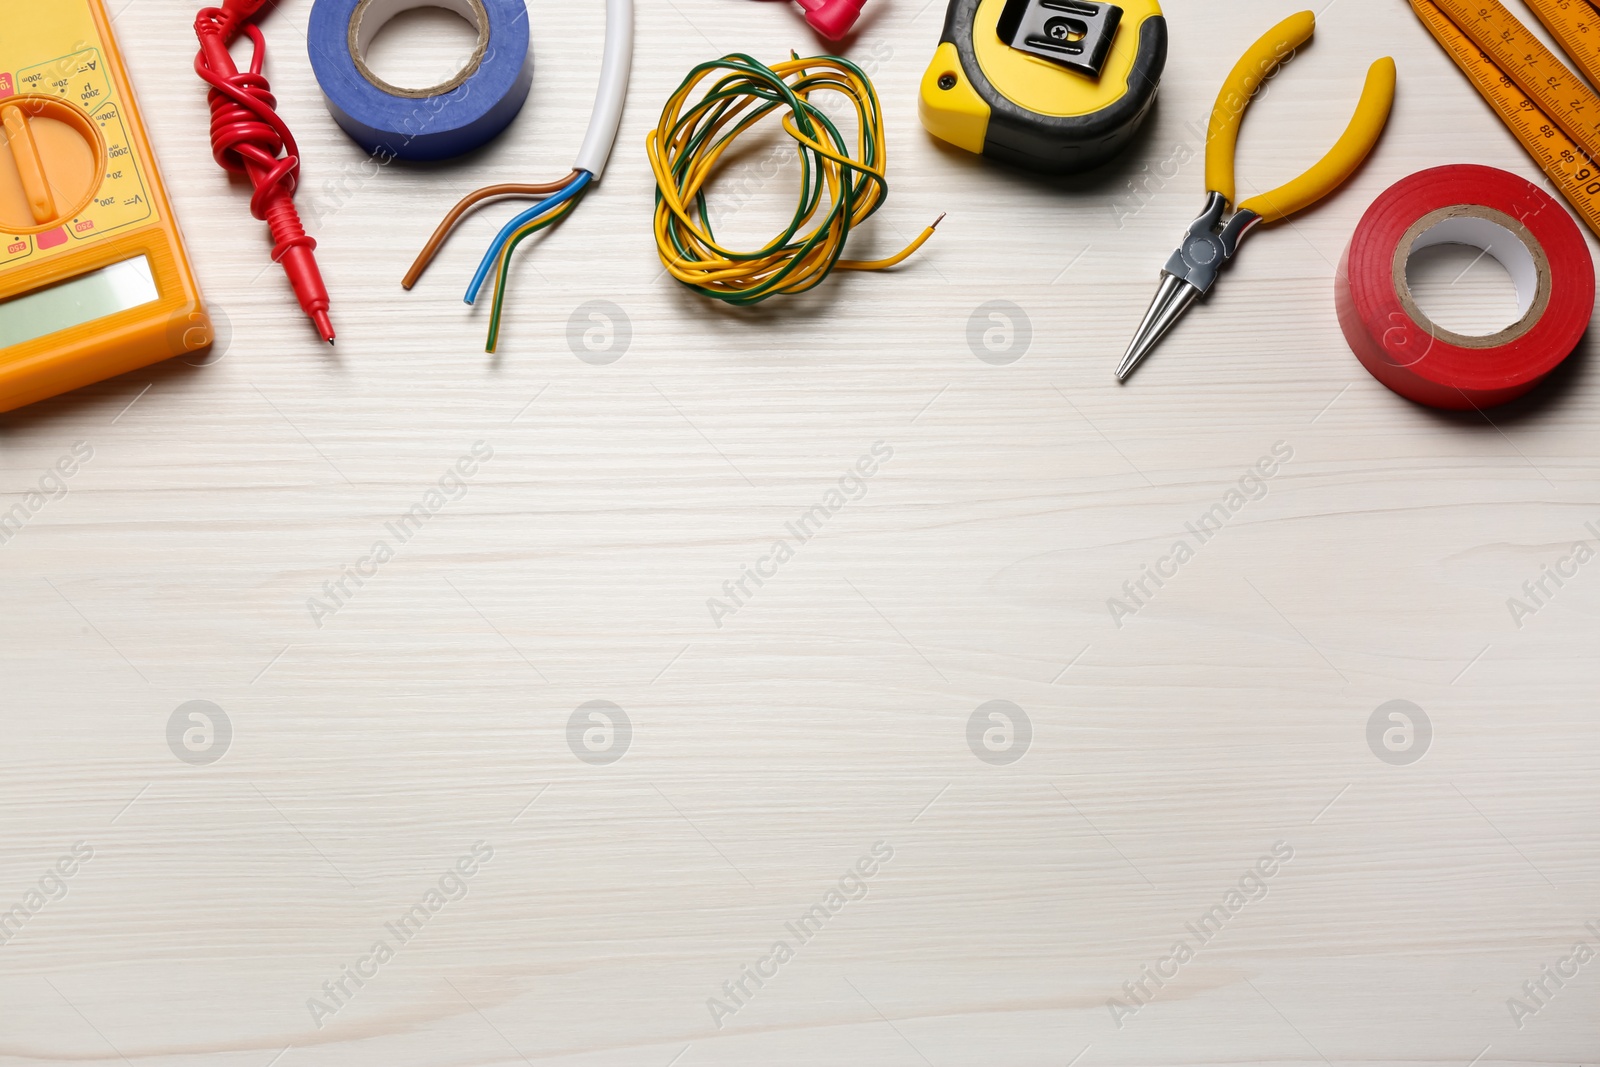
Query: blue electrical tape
[(448, 120)]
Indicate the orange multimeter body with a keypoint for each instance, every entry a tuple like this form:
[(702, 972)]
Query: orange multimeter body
[(94, 280)]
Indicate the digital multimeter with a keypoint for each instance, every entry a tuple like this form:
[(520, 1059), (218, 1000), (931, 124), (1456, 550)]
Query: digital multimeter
[(94, 280), (1053, 85)]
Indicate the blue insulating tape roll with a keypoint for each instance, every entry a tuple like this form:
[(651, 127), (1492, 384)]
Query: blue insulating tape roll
[(424, 125)]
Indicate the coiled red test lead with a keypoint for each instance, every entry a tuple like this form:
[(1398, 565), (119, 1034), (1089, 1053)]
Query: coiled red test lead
[(247, 137)]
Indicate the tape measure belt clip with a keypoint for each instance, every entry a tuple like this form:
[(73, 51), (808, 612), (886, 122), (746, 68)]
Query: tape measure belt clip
[(1076, 34), (450, 119)]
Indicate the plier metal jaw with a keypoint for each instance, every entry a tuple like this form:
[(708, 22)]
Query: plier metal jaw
[(1213, 238), (1190, 273)]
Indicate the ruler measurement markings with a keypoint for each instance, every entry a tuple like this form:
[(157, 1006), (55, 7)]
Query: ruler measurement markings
[(1541, 76), (1574, 24), (1563, 161)]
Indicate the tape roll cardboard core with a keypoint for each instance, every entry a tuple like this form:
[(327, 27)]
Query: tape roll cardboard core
[(1498, 235), (370, 16)]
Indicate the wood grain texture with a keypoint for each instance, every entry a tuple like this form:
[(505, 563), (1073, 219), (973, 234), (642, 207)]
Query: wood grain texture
[(831, 712)]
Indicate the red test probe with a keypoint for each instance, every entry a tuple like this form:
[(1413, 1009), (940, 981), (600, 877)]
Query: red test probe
[(247, 137)]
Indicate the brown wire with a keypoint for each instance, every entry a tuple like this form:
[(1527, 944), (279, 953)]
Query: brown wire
[(469, 202)]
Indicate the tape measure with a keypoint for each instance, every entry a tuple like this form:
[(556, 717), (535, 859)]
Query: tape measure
[(94, 280), (1548, 108), (1052, 85)]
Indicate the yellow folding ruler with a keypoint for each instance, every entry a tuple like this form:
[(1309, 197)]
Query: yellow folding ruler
[(1549, 108)]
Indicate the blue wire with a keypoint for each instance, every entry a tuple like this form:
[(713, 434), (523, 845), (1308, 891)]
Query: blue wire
[(492, 256)]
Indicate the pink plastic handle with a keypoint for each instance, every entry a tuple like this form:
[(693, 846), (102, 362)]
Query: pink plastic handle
[(832, 18)]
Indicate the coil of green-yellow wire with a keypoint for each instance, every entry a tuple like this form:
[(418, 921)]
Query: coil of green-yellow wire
[(839, 189)]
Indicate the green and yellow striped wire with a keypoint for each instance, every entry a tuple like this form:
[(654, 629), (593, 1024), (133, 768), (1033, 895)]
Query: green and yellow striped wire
[(503, 269), (838, 190)]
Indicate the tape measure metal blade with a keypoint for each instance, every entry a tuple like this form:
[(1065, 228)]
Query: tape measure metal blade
[(1006, 100), (1576, 25), (1524, 59), (1566, 164)]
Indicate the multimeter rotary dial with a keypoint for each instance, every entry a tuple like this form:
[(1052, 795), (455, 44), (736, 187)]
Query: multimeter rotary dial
[(52, 157)]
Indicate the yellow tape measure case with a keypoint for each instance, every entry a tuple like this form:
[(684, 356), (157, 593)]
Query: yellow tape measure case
[(94, 280), (1053, 85)]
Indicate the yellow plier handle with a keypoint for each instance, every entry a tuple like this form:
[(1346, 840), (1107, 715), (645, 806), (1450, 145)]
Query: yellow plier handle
[(1249, 74)]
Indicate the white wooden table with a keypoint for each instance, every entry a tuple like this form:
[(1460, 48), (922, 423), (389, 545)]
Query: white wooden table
[(368, 751)]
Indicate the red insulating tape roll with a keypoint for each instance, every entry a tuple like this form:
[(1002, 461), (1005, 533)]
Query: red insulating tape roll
[(1531, 235)]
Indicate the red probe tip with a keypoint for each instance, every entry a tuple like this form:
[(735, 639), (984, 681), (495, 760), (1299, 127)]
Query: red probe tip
[(324, 325)]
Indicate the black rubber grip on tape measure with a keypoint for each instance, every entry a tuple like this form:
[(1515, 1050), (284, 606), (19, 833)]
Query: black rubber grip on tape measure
[(1052, 143)]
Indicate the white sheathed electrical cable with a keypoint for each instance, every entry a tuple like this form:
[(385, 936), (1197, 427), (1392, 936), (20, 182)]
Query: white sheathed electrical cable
[(608, 100)]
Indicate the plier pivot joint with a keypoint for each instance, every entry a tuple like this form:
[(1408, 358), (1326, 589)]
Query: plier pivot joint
[(1209, 243)]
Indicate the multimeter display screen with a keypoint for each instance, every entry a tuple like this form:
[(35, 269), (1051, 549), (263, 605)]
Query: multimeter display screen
[(83, 299)]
